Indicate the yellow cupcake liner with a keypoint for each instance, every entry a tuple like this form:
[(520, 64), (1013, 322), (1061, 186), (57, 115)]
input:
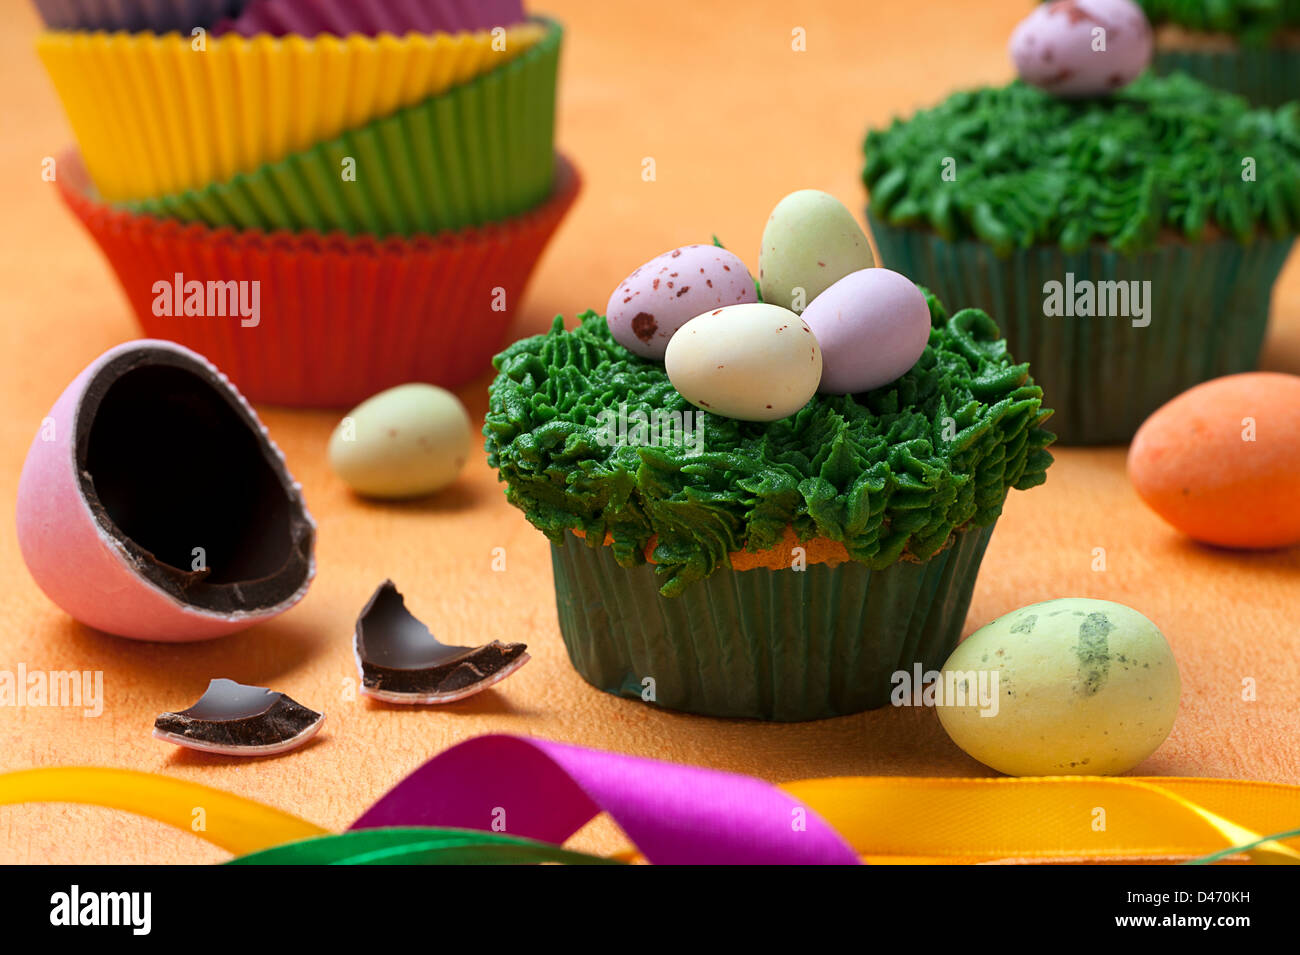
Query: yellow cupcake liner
[(154, 115)]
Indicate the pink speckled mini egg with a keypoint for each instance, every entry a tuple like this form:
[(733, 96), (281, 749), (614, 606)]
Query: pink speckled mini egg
[(153, 504), (661, 296), (1078, 48)]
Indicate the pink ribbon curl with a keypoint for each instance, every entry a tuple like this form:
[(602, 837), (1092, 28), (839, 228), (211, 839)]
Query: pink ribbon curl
[(676, 815)]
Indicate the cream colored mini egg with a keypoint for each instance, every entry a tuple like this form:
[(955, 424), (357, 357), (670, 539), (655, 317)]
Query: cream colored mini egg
[(810, 242), (753, 362), (407, 441), (1082, 687)]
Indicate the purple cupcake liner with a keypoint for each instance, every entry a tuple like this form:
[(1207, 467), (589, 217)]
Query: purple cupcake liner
[(160, 16), (370, 17)]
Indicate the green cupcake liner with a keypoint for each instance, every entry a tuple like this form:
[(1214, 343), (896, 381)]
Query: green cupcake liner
[(1267, 77), (1208, 316), (479, 153), (774, 645)]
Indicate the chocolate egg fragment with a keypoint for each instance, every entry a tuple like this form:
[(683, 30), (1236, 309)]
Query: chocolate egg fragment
[(754, 362), (235, 719), (401, 661), (1072, 686), (810, 242), (1078, 48), (405, 442), (661, 296), (872, 326), (153, 504)]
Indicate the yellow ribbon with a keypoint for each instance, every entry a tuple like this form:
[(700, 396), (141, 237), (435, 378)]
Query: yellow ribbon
[(1053, 817), (232, 822), (886, 819)]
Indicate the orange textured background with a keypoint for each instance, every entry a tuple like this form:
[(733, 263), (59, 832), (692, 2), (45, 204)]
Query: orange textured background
[(734, 120)]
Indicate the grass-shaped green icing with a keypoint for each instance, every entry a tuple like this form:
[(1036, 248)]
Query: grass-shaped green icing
[(1024, 167), (890, 473), (1252, 21)]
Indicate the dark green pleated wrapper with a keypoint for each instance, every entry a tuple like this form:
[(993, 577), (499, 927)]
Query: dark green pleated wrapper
[(1208, 316), (1266, 77), (478, 153), (775, 645)]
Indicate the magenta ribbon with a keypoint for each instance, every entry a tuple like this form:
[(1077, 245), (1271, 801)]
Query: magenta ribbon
[(676, 815)]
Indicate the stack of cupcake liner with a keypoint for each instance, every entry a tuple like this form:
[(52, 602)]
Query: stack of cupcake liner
[(389, 190)]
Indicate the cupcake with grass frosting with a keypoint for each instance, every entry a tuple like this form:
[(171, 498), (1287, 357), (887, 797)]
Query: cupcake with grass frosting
[(775, 545), (1126, 235)]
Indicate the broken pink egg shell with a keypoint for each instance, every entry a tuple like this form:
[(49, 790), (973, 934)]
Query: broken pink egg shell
[(149, 465)]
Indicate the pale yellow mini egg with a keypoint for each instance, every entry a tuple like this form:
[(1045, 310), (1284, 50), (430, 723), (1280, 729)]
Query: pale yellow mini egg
[(810, 242), (1082, 687), (405, 442)]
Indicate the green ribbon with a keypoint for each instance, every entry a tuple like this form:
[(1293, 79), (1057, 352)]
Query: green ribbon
[(418, 846), (1242, 849)]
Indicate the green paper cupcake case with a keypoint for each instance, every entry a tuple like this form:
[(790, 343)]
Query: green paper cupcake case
[(1268, 76), (479, 153), (781, 645), (1208, 314)]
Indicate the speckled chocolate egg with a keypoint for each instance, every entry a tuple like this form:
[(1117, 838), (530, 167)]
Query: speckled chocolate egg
[(1073, 686), (810, 242), (405, 442), (1221, 462), (872, 326), (754, 362), (154, 505), (1077, 48), (661, 296)]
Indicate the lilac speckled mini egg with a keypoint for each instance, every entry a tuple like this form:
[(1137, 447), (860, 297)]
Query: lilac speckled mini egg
[(668, 291), (1078, 48), (872, 326)]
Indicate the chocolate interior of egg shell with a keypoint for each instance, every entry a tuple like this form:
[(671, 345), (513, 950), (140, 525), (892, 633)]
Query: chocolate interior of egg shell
[(402, 661), (232, 717), (170, 460)]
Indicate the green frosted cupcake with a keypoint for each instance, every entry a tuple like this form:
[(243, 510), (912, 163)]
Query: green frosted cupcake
[(781, 570), (1250, 47), (1128, 244)]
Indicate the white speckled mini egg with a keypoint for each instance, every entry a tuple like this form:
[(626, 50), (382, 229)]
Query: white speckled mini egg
[(404, 442), (754, 362), (1084, 687), (810, 242), (661, 296)]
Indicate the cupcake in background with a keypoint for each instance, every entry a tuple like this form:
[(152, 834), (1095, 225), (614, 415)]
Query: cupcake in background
[(757, 513), (1127, 235), (317, 238), (1250, 47)]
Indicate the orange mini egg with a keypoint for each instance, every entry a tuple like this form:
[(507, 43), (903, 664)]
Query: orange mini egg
[(1221, 462)]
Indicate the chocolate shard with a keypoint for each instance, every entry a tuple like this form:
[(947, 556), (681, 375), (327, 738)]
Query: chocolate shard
[(402, 662), (239, 720)]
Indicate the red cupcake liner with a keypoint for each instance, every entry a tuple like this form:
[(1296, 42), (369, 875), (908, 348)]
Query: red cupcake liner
[(371, 17), (341, 317)]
